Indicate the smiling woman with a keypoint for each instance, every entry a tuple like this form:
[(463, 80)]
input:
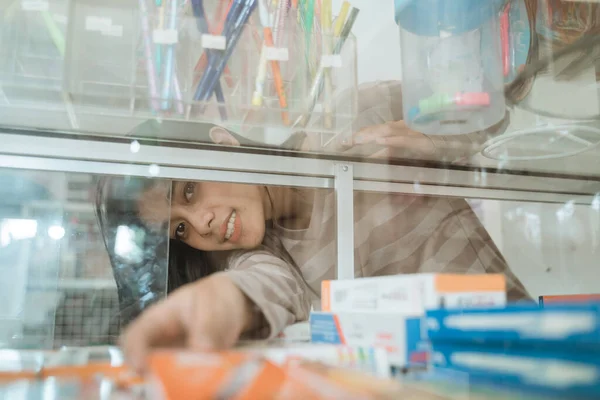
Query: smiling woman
[(143, 207), (267, 249)]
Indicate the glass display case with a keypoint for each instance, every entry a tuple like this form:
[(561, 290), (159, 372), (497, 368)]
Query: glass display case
[(80, 119)]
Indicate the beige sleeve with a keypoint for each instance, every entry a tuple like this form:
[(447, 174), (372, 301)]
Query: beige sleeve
[(488, 254), (275, 287), (381, 102)]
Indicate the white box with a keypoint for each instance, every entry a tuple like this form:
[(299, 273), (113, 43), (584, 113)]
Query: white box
[(413, 294), (399, 335)]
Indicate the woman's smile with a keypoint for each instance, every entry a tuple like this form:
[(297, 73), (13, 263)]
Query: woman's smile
[(232, 228)]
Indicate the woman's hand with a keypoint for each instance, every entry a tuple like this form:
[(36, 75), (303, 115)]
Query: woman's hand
[(208, 314), (395, 136)]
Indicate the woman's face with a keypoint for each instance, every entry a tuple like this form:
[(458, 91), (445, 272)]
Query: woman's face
[(210, 216)]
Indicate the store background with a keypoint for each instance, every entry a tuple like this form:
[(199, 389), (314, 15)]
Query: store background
[(562, 260)]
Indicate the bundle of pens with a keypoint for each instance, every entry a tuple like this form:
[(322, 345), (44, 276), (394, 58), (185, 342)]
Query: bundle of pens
[(282, 65), (161, 38), (304, 28), (159, 53), (324, 52)]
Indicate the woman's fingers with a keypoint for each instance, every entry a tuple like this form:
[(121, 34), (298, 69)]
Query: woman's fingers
[(372, 133), (160, 325), (205, 315), (421, 144)]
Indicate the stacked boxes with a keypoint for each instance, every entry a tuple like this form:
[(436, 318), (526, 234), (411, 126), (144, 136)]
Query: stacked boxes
[(553, 350), (388, 311)]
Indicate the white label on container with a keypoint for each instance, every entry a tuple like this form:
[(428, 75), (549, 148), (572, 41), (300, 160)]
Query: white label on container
[(331, 61), (59, 18), (277, 54), (35, 5), (217, 42), (114, 30), (93, 23), (165, 36)]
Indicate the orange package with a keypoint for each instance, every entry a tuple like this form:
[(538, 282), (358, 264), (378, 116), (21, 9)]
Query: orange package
[(199, 376), (317, 381), (120, 374)]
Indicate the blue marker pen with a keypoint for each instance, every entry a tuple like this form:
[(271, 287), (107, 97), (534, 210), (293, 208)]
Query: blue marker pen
[(202, 25), (212, 75), (230, 19)]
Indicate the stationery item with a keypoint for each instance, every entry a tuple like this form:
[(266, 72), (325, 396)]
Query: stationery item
[(279, 23), (346, 30), (178, 95), (317, 84), (341, 19), (202, 25), (398, 334), (450, 50), (160, 25), (553, 373), (568, 299), (214, 70), (228, 25), (269, 42), (55, 33), (436, 104), (271, 374), (570, 326), (327, 51), (170, 55), (307, 18), (414, 293), (505, 39), (370, 360), (220, 16), (261, 74), (150, 71)]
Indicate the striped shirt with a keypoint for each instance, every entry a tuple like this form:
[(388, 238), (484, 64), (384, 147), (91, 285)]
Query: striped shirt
[(393, 234)]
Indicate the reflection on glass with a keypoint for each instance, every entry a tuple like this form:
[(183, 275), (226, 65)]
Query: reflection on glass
[(57, 285)]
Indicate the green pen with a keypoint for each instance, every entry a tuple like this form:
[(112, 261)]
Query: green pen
[(158, 46), (308, 24), (57, 36)]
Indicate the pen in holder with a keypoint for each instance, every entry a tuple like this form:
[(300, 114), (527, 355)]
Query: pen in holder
[(197, 61)]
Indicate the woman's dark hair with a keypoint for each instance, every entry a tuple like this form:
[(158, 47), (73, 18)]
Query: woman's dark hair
[(150, 265)]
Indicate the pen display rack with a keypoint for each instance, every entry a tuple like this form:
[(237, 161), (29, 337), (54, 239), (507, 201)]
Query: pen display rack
[(32, 50), (452, 65), (132, 58)]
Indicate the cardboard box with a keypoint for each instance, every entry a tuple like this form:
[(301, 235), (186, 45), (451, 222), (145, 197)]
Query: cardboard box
[(413, 294), (569, 299), (400, 335)]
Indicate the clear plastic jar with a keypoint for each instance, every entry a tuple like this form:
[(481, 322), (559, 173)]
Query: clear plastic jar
[(451, 65)]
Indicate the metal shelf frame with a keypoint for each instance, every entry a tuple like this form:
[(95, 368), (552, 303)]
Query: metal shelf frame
[(102, 155)]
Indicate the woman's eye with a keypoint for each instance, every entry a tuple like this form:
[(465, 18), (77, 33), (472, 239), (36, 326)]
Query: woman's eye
[(188, 191), (180, 230)]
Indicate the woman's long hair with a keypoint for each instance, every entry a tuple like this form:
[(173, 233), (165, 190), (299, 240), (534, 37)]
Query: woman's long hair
[(139, 268)]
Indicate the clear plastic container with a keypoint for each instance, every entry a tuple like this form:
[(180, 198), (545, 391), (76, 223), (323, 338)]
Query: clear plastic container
[(451, 65), (32, 51), (134, 59)]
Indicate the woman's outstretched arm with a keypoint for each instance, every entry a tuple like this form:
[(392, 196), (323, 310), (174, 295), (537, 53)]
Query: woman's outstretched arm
[(259, 296)]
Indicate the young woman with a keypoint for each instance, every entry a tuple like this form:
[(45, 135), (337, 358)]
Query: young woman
[(266, 249)]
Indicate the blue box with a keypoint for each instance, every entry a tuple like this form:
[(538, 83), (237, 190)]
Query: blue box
[(570, 326), (553, 373)]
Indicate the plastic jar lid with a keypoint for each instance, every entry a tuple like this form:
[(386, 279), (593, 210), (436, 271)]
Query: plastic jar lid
[(432, 17)]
